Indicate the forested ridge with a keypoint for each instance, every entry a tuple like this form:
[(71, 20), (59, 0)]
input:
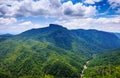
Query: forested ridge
[(55, 51)]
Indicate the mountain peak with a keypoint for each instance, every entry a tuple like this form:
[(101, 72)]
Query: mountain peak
[(51, 25), (56, 26)]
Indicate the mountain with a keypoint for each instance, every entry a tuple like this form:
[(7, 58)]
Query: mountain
[(52, 51), (92, 39), (105, 65), (5, 37), (117, 34), (99, 39), (7, 34), (56, 34)]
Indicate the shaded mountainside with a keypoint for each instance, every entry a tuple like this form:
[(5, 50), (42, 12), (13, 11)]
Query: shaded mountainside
[(5, 37), (118, 35), (96, 38), (105, 65), (92, 40), (53, 51)]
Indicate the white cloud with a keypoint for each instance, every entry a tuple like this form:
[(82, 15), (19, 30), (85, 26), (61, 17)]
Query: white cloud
[(18, 28), (9, 7), (73, 16), (114, 3), (73, 10), (28, 23), (78, 10), (47, 8), (90, 11), (7, 21), (91, 1), (30, 8), (118, 11), (104, 24)]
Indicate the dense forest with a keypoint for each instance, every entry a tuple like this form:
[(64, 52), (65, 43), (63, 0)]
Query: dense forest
[(104, 65), (55, 51)]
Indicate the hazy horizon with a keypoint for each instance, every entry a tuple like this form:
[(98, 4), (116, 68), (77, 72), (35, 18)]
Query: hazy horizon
[(57, 24)]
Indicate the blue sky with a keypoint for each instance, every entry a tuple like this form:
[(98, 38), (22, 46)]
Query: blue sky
[(17, 16)]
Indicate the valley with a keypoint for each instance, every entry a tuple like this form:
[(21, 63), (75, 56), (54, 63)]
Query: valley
[(56, 51), (59, 38), (84, 68), (104, 65)]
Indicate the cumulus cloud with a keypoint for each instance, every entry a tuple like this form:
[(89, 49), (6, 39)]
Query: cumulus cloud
[(53, 8), (104, 24), (29, 7), (78, 10), (73, 10), (91, 1), (73, 16), (118, 11), (7, 21), (114, 3)]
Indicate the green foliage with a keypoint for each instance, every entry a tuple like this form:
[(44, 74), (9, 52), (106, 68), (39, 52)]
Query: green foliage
[(55, 51), (61, 69), (33, 59), (4, 37), (105, 65)]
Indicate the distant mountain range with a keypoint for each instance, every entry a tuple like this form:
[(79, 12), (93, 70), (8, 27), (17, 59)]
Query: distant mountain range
[(53, 51), (5, 37)]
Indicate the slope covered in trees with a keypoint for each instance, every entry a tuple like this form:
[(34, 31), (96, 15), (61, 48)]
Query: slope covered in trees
[(53, 51), (105, 65), (36, 58)]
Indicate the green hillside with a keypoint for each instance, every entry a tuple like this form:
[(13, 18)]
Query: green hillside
[(34, 58), (105, 65), (51, 52)]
